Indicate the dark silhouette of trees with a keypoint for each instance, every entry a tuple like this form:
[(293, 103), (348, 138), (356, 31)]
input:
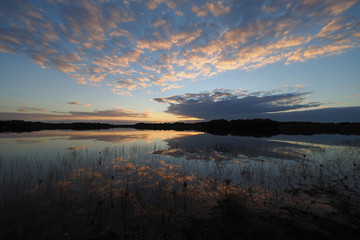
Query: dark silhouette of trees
[(240, 127)]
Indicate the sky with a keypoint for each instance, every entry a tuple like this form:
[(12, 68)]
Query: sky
[(179, 60)]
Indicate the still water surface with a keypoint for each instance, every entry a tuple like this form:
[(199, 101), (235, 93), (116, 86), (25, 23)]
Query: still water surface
[(301, 171), (197, 144)]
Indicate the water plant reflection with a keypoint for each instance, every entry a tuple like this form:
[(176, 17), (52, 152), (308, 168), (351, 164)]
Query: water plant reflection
[(130, 189)]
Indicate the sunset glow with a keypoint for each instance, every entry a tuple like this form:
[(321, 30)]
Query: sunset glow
[(166, 61)]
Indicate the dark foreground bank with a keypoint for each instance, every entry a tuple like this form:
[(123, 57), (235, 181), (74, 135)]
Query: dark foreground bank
[(228, 219)]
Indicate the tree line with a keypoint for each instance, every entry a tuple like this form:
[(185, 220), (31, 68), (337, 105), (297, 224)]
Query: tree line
[(240, 127)]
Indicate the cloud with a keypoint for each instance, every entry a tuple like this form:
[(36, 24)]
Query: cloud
[(353, 96), (334, 26), (153, 4), (233, 104), (5, 49), (310, 2), (31, 109), (121, 84), (154, 44), (302, 55), (79, 104), (96, 115), (337, 7), (171, 86), (269, 9), (100, 42), (184, 38), (341, 114), (332, 7), (216, 8), (121, 33), (110, 113)]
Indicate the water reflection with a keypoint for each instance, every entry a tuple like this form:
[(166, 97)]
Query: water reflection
[(187, 144), (164, 183), (220, 148), (113, 178), (110, 135), (51, 142)]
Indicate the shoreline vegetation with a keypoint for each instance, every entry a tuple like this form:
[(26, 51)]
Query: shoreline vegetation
[(130, 192), (239, 127), (145, 191)]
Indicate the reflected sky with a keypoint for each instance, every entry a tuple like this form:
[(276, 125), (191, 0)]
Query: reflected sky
[(158, 170), (181, 144), (281, 146), (55, 141)]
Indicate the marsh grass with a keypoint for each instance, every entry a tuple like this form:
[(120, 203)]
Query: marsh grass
[(128, 192)]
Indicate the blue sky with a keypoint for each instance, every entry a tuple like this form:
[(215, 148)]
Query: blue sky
[(157, 60)]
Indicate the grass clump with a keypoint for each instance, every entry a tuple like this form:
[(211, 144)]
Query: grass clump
[(127, 193)]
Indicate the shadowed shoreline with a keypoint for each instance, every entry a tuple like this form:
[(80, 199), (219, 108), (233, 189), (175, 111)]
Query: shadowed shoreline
[(250, 127)]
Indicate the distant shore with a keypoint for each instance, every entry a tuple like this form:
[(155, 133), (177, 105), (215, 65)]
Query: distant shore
[(250, 127)]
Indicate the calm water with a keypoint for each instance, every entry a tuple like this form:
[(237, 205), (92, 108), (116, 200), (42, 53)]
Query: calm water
[(195, 145), (103, 177), (268, 169), (200, 151)]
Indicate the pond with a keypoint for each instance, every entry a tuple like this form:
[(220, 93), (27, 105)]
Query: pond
[(106, 178)]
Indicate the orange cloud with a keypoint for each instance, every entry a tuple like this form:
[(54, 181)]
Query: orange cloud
[(121, 33), (31, 109), (338, 7), (171, 86), (154, 45), (97, 115), (215, 8), (98, 42), (331, 28), (319, 51), (153, 4), (184, 38)]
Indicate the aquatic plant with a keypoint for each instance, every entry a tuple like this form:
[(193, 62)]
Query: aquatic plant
[(128, 192)]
